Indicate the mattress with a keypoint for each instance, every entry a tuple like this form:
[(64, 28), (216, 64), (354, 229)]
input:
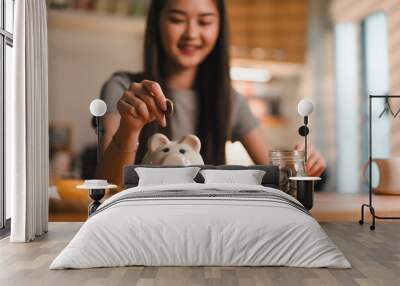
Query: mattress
[(201, 225)]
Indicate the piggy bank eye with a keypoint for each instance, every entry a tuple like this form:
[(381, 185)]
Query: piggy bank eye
[(165, 150), (182, 151)]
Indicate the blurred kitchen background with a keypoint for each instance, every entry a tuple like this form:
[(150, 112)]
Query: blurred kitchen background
[(333, 52)]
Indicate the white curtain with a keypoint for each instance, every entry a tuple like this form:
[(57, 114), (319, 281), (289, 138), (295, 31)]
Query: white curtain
[(27, 123)]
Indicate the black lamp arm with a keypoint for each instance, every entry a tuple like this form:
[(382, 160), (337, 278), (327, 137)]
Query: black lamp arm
[(99, 132), (303, 131)]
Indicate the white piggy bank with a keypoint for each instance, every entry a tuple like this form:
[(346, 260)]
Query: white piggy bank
[(162, 151)]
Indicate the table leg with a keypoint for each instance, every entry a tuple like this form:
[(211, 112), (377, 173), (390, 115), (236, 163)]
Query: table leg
[(96, 195)]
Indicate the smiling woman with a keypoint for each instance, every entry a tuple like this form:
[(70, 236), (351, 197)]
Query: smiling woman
[(186, 59)]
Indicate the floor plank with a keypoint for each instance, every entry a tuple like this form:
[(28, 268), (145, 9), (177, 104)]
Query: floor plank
[(375, 257)]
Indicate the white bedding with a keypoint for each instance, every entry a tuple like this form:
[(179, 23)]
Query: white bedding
[(189, 230)]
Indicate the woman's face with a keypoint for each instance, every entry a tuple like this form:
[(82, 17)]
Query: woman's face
[(189, 30)]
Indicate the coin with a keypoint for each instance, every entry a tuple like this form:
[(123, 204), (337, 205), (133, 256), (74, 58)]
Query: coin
[(170, 107)]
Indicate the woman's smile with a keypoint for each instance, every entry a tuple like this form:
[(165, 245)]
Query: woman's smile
[(189, 49)]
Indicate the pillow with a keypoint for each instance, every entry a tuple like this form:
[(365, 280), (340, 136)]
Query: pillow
[(248, 177), (162, 176)]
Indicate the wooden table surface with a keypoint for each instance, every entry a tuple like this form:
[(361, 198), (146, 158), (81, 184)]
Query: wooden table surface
[(328, 207)]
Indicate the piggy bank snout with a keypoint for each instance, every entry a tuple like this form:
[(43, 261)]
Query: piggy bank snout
[(174, 159)]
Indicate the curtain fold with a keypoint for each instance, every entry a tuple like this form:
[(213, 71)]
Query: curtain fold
[(28, 123)]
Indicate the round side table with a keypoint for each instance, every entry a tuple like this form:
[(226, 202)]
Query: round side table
[(97, 190), (305, 190)]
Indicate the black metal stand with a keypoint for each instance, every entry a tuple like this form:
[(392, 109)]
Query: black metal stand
[(305, 193), (303, 131), (369, 205), (96, 195)]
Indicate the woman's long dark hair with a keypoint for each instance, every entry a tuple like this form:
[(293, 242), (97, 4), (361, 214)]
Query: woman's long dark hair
[(212, 85)]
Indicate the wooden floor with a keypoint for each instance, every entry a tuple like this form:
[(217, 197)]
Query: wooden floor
[(374, 255)]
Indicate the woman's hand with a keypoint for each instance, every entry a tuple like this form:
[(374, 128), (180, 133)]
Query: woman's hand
[(143, 103), (315, 162)]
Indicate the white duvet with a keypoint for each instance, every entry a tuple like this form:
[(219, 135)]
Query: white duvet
[(183, 231)]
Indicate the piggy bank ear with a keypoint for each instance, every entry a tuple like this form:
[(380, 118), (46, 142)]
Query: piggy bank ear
[(156, 141), (193, 141)]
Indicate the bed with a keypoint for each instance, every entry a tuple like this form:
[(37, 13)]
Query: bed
[(201, 224)]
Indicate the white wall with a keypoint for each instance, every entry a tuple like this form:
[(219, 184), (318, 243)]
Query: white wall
[(84, 50), (354, 12)]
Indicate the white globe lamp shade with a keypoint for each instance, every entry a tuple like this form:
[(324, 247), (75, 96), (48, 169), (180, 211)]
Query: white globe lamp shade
[(305, 107), (98, 107)]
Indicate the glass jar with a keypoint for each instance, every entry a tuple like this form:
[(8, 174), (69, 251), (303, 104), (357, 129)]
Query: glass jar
[(291, 164)]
